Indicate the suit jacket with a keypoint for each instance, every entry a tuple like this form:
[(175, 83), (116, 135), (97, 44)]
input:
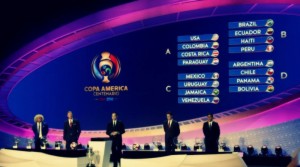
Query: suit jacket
[(172, 131), (35, 130), (212, 133), (119, 128), (72, 133)]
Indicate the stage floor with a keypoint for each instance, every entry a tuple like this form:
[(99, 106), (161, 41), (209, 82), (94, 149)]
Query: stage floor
[(57, 158)]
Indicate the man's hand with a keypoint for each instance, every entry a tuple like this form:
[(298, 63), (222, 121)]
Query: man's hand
[(114, 133)]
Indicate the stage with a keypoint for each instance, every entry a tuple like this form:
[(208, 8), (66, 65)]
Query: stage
[(50, 157), (248, 160), (182, 159)]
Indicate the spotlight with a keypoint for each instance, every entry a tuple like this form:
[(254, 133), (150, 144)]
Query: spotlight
[(264, 150), (278, 151), (236, 148), (146, 146), (250, 150)]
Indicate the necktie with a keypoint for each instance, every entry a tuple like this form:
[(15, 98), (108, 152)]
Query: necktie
[(40, 130), (169, 124), (210, 124), (114, 123), (70, 123)]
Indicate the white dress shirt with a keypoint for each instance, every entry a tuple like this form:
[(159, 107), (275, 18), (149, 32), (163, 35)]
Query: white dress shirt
[(40, 130)]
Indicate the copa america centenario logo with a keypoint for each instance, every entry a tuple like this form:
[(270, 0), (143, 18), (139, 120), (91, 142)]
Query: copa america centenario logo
[(105, 67)]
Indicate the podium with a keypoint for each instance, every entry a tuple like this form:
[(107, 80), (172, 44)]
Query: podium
[(102, 149)]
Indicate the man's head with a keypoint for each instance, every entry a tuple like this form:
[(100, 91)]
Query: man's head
[(114, 116), (39, 118), (210, 117), (70, 115), (169, 116)]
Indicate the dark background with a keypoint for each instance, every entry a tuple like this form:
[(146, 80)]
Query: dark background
[(24, 21)]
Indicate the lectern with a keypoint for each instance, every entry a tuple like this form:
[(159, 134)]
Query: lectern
[(102, 149)]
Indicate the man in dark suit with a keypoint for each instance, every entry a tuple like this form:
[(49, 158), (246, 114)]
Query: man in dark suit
[(211, 132), (172, 131), (40, 130), (115, 129), (72, 130)]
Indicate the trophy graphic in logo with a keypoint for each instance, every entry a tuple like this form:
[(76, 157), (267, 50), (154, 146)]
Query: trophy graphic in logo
[(105, 67)]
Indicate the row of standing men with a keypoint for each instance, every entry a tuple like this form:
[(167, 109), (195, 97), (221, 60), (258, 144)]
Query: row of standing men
[(115, 129)]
